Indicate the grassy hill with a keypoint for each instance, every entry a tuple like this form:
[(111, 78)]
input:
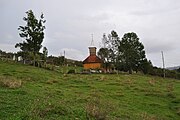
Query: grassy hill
[(33, 93)]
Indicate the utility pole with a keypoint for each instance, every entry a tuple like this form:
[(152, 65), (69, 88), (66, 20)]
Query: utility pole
[(64, 68), (64, 57), (163, 64)]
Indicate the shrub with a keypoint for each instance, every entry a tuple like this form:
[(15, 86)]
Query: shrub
[(171, 73), (71, 72)]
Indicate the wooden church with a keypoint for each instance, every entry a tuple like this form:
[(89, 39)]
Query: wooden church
[(92, 61)]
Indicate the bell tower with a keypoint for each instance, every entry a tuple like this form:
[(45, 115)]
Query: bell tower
[(92, 50)]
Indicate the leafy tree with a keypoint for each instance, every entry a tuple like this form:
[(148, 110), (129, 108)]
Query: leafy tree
[(104, 54), (32, 33), (146, 66), (108, 52), (110, 43), (130, 51), (104, 41), (113, 39)]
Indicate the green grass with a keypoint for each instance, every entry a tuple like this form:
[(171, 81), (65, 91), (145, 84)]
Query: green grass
[(33, 93)]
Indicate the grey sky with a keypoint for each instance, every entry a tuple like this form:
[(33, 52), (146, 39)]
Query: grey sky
[(70, 24)]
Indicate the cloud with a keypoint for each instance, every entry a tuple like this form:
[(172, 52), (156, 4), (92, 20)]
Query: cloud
[(10, 47), (156, 7), (70, 24), (157, 45), (73, 54), (172, 58), (7, 38)]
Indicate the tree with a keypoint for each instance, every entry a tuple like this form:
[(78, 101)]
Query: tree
[(113, 39), (108, 52), (32, 33), (110, 43), (130, 51), (104, 41), (146, 66), (104, 54)]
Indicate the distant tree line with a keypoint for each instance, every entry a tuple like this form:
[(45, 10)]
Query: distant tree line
[(6, 55), (168, 73), (62, 61)]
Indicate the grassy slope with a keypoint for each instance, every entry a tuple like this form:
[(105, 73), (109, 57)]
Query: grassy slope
[(50, 95)]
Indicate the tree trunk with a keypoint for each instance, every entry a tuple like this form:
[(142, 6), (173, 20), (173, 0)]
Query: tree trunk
[(34, 59), (106, 66), (130, 71), (24, 61)]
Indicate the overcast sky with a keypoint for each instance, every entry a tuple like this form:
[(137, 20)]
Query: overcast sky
[(70, 24)]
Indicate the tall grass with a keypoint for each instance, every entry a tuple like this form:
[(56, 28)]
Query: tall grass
[(10, 82), (27, 92)]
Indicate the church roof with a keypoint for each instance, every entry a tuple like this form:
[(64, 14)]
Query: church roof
[(92, 59)]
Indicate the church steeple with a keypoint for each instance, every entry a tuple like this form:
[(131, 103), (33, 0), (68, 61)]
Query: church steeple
[(92, 41), (92, 61), (92, 48)]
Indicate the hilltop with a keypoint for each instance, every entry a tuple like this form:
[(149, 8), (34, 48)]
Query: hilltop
[(27, 92)]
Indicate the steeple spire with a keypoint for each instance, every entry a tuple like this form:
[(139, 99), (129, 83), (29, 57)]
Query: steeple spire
[(92, 41)]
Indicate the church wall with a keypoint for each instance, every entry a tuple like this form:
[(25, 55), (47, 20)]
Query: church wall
[(92, 66)]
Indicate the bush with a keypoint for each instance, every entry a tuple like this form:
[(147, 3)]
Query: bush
[(171, 74), (71, 72)]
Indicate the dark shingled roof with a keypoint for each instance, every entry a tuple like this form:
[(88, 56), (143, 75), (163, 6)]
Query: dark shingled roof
[(92, 59)]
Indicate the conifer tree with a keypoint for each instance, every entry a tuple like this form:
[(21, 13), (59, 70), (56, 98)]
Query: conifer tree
[(33, 35)]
